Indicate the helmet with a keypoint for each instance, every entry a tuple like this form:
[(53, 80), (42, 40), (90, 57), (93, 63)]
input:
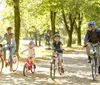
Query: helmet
[(92, 23), (31, 43), (57, 35), (9, 28)]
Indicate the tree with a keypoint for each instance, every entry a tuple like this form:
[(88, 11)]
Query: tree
[(78, 24), (17, 23), (53, 18), (70, 28)]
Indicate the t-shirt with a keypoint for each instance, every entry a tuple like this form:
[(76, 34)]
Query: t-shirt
[(31, 52), (9, 39), (56, 46), (94, 38)]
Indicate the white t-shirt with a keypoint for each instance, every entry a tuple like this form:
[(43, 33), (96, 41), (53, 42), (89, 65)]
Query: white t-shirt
[(31, 52)]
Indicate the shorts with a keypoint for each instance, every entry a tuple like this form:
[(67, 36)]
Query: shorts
[(60, 56), (31, 56)]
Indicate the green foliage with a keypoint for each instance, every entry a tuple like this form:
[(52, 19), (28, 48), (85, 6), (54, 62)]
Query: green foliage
[(35, 14)]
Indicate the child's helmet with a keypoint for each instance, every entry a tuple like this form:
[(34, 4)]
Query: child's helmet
[(31, 43), (56, 35)]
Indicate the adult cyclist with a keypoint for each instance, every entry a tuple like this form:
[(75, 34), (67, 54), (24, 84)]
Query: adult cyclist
[(93, 36), (11, 46)]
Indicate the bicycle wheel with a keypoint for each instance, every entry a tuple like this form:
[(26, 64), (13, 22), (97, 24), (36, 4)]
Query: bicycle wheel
[(52, 70), (33, 69), (59, 70), (94, 68), (1, 64), (15, 62), (25, 70)]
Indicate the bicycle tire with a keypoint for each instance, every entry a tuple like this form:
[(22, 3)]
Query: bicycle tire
[(1, 64), (25, 69), (52, 70), (94, 68), (15, 59)]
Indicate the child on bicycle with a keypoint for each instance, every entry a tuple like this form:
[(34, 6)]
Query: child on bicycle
[(31, 52), (57, 45)]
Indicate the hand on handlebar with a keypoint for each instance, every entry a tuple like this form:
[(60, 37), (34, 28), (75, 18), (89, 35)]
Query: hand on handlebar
[(84, 46)]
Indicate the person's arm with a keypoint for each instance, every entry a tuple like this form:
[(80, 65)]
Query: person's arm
[(86, 38), (2, 39), (24, 51), (61, 48)]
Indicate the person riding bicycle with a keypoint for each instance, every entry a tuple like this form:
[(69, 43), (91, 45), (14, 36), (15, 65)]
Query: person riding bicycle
[(57, 46), (11, 46), (93, 36), (31, 52)]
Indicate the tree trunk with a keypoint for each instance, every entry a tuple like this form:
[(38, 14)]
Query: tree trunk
[(69, 29), (53, 17), (79, 37), (40, 36), (69, 39), (35, 36), (17, 23), (78, 28)]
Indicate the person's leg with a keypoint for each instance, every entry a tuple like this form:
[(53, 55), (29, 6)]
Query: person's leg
[(12, 50), (60, 59), (5, 49), (33, 62), (88, 53)]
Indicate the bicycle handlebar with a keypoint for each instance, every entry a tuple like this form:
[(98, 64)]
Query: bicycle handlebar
[(93, 45)]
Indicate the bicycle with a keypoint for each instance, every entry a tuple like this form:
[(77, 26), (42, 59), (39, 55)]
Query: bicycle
[(55, 66), (15, 59), (94, 60), (1, 59), (28, 66)]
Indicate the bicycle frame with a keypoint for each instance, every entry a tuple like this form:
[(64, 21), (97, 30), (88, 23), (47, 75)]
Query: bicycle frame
[(56, 60), (94, 60), (29, 64)]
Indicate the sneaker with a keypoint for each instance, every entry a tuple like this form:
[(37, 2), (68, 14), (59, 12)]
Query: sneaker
[(99, 70), (62, 70)]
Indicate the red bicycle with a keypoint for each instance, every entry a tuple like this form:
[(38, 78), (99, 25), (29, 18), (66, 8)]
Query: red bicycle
[(28, 67)]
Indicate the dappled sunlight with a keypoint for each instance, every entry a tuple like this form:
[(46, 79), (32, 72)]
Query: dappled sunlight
[(77, 72)]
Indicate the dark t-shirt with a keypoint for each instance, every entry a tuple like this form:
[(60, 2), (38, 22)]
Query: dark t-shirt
[(56, 47), (94, 38)]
